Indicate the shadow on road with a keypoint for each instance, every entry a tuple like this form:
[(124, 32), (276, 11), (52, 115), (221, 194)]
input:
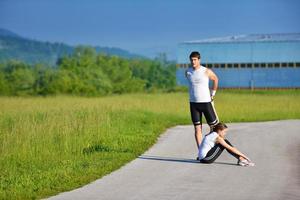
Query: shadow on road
[(184, 160)]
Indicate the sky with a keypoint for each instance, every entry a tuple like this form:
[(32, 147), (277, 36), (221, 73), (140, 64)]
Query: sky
[(146, 27)]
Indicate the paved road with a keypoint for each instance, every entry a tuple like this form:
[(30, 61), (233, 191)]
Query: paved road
[(168, 170)]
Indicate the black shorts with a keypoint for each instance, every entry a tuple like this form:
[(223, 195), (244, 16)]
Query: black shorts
[(207, 109)]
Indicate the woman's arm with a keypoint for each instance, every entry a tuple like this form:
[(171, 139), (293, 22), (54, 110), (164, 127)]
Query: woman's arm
[(221, 141)]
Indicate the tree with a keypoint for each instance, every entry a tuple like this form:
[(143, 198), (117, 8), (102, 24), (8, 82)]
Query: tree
[(80, 74), (118, 71), (22, 81), (44, 76), (4, 88), (20, 78), (87, 73)]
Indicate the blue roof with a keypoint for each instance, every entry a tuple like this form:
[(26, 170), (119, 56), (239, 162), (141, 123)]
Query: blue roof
[(277, 37)]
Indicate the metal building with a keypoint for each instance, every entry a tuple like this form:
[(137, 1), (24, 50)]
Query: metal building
[(247, 61)]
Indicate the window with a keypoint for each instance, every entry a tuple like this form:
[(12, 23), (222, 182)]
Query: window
[(291, 64), (263, 65), (235, 65), (276, 65), (249, 65), (283, 64), (270, 64), (256, 65), (222, 65), (229, 65), (216, 65), (243, 65), (297, 64)]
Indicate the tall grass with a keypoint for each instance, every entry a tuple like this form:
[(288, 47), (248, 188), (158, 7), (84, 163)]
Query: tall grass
[(54, 144)]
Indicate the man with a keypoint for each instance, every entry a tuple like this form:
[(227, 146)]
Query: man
[(201, 98)]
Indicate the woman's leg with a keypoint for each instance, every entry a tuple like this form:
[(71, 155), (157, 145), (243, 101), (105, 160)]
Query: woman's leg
[(213, 154), (233, 154), (216, 151)]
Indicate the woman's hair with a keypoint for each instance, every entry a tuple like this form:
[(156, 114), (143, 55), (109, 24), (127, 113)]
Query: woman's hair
[(219, 127)]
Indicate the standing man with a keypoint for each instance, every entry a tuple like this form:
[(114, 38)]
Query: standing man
[(201, 96)]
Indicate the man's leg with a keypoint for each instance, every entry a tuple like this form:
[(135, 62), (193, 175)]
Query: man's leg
[(197, 121), (210, 115), (198, 134)]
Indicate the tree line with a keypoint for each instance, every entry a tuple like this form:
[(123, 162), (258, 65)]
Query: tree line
[(88, 73)]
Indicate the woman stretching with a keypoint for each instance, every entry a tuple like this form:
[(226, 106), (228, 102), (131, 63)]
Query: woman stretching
[(214, 143)]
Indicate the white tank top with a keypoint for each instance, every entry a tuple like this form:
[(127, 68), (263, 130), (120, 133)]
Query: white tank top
[(198, 84), (207, 144)]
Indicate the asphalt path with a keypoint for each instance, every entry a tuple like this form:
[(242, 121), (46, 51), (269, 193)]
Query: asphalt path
[(168, 170)]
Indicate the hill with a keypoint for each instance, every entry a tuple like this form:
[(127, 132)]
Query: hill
[(13, 46)]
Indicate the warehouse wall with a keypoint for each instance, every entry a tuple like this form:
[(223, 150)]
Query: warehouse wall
[(246, 52), (253, 77), (267, 64)]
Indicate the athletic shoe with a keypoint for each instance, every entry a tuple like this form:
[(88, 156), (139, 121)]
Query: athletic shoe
[(197, 158), (245, 163)]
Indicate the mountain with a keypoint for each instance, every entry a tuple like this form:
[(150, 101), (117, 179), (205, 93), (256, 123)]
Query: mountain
[(4, 32), (13, 46)]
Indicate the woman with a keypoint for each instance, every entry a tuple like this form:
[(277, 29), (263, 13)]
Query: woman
[(214, 143)]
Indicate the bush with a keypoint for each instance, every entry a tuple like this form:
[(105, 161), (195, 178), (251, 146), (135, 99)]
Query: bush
[(87, 73)]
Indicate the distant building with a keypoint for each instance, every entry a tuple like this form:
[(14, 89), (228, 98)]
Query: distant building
[(247, 61)]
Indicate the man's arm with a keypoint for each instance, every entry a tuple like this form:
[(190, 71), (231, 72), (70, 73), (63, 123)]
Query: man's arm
[(212, 76)]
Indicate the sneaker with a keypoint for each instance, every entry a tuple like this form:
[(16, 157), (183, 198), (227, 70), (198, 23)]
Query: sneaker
[(197, 158), (245, 163)]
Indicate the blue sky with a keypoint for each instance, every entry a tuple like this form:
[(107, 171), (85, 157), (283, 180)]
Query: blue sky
[(146, 27)]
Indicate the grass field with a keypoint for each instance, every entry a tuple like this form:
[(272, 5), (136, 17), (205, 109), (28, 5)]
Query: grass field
[(54, 144)]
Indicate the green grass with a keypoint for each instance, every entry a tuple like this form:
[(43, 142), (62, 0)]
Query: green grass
[(54, 144)]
